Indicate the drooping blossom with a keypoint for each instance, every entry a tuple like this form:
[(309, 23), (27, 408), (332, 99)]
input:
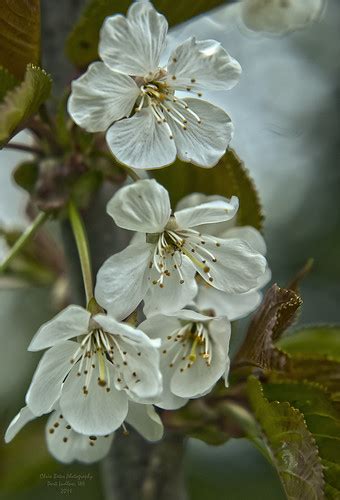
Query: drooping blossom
[(194, 354)]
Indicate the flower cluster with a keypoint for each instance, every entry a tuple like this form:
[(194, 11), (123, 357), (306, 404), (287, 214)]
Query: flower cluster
[(99, 371), (189, 272)]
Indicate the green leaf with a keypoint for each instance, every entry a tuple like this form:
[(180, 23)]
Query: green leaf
[(19, 35), (228, 178), (321, 369), (82, 43), (7, 82), (26, 175), (315, 356), (277, 312), (23, 101), (321, 340), (322, 420), (291, 445)]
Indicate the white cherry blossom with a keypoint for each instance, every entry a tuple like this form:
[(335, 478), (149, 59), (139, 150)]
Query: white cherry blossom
[(194, 354), (93, 378), (66, 445), (232, 305), (133, 97), (279, 16), (160, 265)]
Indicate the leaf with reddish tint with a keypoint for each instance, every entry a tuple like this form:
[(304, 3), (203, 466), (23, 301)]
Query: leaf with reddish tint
[(277, 312)]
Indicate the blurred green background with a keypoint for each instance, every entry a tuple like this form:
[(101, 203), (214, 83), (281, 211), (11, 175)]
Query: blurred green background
[(286, 112)]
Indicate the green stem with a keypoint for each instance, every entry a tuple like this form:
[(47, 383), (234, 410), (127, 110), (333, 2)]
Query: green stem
[(80, 236), (23, 239)]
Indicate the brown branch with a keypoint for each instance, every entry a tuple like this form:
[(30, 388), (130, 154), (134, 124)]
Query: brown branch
[(24, 147)]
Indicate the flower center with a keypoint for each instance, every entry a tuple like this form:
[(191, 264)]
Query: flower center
[(164, 104), (190, 342), (100, 350), (170, 247)]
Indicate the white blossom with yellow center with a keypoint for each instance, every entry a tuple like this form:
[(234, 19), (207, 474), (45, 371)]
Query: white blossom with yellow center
[(134, 99), (160, 265), (194, 354), (92, 378)]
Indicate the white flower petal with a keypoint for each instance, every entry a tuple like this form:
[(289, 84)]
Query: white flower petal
[(264, 279), (249, 234), (142, 377), (169, 400), (145, 420), (202, 65), (141, 141), (69, 323), (100, 97), (237, 267), (97, 413), (143, 206), (122, 280), (133, 44), (277, 17), (66, 445), (233, 306), (194, 199), (207, 213), (174, 295), (19, 421), (163, 326), (160, 326), (47, 382), (124, 330), (226, 373), (202, 143)]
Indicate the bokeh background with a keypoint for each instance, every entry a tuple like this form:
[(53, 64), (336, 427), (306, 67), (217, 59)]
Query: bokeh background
[(286, 113)]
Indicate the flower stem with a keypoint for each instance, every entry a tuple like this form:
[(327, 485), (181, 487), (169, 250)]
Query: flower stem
[(80, 236), (23, 239), (131, 173)]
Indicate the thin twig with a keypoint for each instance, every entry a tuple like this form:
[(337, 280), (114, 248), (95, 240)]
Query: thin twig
[(23, 240), (24, 147)]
